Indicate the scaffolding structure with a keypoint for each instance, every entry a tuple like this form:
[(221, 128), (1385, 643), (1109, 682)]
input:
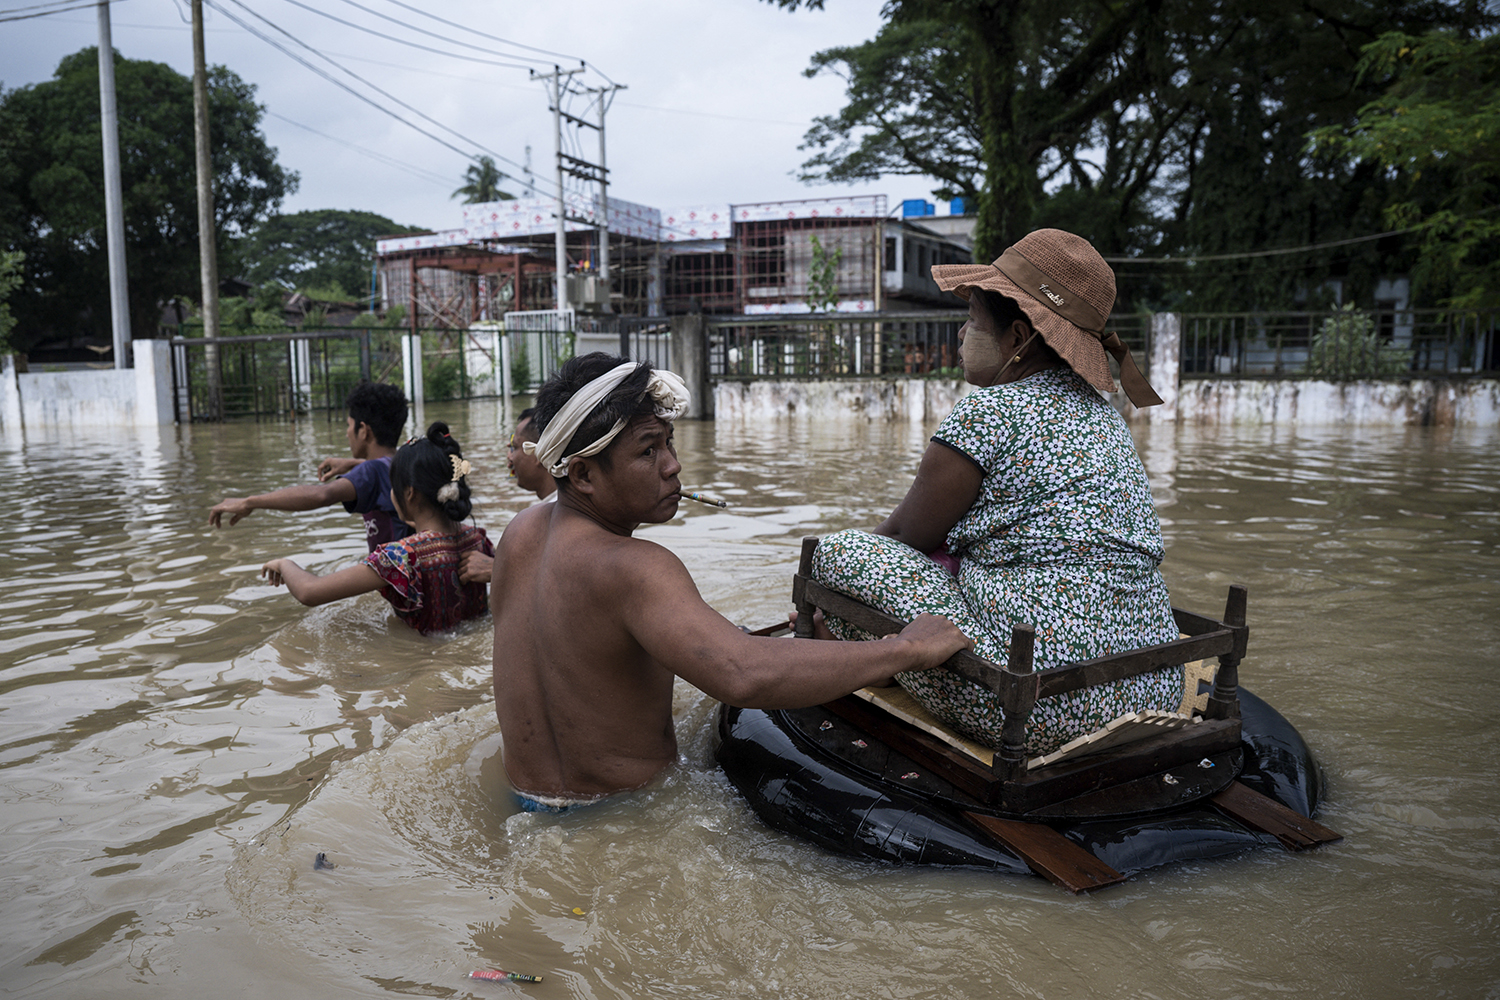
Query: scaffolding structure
[(753, 259)]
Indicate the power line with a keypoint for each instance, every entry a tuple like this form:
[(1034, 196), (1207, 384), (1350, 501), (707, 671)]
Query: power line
[(45, 13), (1260, 253), (350, 90), (408, 42), (337, 83), (433, 34), (381, 157), (39, 6), (493, 38)]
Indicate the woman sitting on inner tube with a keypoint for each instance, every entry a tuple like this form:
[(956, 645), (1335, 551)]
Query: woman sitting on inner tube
[(1030, 505)]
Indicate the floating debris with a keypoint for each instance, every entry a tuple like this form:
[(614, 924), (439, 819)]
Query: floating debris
[(500, 975)]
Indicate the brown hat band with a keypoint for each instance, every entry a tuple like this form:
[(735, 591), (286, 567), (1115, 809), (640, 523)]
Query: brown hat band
[(1082, 315), (1050, 293)]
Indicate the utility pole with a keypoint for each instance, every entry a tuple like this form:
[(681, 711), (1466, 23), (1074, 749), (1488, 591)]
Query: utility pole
[(555, 81), (114, 210), (606, 98), (208, 261)]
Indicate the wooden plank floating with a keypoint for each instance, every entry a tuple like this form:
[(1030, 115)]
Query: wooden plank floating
[(1260, 812), (1049, 853)]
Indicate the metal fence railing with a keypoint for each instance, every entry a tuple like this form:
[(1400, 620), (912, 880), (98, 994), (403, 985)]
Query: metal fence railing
[(640, 338), (1340, 345), (846, 344), (264, 374)]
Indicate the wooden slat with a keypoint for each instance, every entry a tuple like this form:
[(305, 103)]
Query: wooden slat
[(1193, 624), (1069, 778), (1058, 680), (1118, 666), (963, 663), (952, 765), (1049, 853), (1260, 812)]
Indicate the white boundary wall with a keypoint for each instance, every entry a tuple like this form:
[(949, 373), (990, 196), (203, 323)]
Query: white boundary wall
[(114, 397), (1474, 403)]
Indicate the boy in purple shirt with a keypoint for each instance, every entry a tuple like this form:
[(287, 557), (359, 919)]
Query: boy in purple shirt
[(377, 412)]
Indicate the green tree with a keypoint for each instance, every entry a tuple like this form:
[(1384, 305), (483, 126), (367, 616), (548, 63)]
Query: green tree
[(1147, 127), (482, 183), (1347, 347), (1435, 129), (52, 189), (1246, 182), (10, 279), (324, 250), (823, 277), (996, 98)]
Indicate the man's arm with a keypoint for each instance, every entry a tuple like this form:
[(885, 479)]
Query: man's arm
[(669, 618), (313, 590), (308, 497)]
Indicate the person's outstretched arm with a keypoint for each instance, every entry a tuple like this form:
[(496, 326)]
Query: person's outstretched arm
[(665, 613), (308, 497), (313, 590), (946, 486)]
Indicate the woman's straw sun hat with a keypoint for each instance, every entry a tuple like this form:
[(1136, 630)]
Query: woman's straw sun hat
[(1066, 290)]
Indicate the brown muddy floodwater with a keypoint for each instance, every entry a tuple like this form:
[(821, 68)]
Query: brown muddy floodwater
[(179, 742)]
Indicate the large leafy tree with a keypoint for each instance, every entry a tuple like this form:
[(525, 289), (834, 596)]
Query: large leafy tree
[(325, 250), (1150, 127), (1435, 129), (482, 183), (1245, 180), (52, 190), (996, 98)]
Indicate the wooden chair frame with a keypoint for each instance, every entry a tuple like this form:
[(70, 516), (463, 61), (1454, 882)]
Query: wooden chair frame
[(1155, 772)]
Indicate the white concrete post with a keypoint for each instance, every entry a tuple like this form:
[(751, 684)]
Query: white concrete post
[(10, 395), (153, 383), (411, 376), (301, 363), (1164, 367), (505, 386)]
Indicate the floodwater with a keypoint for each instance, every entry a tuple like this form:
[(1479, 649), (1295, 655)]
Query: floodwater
[(178, 744)]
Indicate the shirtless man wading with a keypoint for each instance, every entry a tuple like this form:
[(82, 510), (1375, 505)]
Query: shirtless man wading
[(592, 625)]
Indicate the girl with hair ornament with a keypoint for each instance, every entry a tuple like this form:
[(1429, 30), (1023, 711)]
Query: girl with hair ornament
[(418, 574)]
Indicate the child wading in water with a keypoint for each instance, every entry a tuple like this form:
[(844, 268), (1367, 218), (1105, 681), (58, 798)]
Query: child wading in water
[(418, 574)]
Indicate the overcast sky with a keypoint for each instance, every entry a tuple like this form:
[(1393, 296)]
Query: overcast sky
[(715, 105)]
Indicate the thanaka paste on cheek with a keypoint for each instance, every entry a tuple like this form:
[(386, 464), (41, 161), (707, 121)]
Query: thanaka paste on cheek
[(981, 351)]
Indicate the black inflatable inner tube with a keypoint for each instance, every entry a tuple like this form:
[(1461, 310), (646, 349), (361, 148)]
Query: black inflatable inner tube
[(797, 787)]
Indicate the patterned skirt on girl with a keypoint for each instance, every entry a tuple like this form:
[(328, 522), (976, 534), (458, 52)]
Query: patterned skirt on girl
[(1063, 536)]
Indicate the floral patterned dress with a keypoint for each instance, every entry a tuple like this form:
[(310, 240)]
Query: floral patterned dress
[(1063, 536), (420, 573)]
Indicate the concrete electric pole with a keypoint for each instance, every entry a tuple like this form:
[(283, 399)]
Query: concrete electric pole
[(208, 268), (114, 208)]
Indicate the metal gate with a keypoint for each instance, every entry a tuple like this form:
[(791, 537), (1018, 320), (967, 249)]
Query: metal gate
[(275, 375)]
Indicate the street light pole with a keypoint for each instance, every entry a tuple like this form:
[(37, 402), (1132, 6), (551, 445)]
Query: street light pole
[(114, 210)]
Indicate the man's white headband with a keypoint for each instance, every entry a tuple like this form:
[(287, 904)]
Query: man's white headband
[(665, 388)]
